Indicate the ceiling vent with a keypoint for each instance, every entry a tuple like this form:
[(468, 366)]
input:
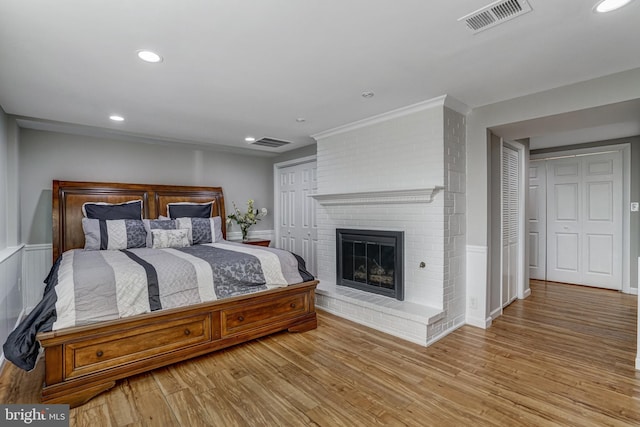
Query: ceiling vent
[(270, 142), (494, 14)]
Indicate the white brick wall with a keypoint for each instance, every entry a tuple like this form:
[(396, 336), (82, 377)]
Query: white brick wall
[(402, 153), (423, 149), (454, 213), (423, 233)]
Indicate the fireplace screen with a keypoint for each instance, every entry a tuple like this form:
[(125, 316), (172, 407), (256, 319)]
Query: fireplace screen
[(371, 260)]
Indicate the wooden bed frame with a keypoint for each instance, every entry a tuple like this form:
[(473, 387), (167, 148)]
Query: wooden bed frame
[(81, 362)]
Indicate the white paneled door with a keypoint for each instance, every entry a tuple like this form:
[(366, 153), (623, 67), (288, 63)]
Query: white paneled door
[(297, 228), (537, 220), (584, 220)]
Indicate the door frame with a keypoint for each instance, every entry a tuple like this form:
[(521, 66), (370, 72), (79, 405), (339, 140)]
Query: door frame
[(626, 198), (276, 192), (522, 288)]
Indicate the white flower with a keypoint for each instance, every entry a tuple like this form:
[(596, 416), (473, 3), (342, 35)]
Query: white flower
[(248, 218)]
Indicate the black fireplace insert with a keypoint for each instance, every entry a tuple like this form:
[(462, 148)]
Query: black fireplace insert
[(371, 260)]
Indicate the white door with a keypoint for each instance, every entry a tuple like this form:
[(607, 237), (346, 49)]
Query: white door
[(297, 228), (537, 220), (510, 223), (584, 220)]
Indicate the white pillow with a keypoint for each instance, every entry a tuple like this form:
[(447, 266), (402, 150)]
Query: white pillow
[(170, 238)]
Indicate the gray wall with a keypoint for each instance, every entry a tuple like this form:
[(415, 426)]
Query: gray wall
[(11, 295), (495, 225), (45, 156), (9, 188), (3, 178)]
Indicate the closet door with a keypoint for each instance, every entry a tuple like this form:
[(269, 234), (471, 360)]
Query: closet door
[(297, 228), (510, 223), (584, 223)]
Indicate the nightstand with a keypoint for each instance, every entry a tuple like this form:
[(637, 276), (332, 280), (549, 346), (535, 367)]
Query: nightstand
[(257, 242)]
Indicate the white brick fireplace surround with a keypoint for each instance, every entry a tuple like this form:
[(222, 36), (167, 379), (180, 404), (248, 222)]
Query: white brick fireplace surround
[(401, 171)]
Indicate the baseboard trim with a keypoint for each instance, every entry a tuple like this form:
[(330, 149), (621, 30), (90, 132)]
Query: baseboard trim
[(478, 322)]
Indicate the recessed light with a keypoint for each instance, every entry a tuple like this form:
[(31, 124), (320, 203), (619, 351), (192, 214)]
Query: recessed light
[(116, 118), (250, 139), (149, 56), (301, 120), (605, 6), (367, 94)]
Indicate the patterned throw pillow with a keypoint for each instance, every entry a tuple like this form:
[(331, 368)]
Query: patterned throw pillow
[(202, 230), (113, 234), (170, 238), (158, 224)]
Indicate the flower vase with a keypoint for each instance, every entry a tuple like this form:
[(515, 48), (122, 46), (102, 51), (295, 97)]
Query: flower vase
[(245, 233)]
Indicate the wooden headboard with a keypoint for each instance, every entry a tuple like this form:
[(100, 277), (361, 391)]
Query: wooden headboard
[(68, 197)]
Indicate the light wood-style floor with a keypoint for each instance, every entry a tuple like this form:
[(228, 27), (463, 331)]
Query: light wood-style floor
[(564, 356)]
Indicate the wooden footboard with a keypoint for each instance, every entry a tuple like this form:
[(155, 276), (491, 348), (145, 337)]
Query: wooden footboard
[(82, 362)]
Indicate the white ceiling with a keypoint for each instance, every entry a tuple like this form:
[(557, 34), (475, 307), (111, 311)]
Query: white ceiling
[(238, 68)]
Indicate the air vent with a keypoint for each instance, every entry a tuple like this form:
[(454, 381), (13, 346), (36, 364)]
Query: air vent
[(494, 14), (270, 142)]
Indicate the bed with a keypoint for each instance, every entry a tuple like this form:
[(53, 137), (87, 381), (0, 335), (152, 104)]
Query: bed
[(83, 361)]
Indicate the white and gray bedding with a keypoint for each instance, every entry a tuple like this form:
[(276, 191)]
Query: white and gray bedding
[(86, 286)]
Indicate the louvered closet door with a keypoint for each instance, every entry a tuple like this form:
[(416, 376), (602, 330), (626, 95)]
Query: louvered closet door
[(298, 230), (510, 223), (584, 225)]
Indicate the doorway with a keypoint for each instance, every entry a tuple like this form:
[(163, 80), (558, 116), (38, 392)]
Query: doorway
[(577, 217)]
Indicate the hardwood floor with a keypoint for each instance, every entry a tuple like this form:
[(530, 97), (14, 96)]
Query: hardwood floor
[(564, 356)]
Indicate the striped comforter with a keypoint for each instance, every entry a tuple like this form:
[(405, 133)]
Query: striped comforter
[(91, 286)]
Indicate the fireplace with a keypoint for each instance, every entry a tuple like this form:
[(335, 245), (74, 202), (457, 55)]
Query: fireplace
[(371, 260)]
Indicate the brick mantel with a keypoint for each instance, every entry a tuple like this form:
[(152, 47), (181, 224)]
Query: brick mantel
[(418, 195)]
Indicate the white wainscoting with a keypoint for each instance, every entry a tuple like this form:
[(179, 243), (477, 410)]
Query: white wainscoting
[(37, 261), (477, 287), (11, 306)]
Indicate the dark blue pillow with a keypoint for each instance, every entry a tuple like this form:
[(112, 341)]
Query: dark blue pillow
[(108, 211), (189, 210)]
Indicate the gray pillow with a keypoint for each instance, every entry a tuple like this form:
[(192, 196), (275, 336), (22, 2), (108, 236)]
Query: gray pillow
[(202, 230), (113, 234)]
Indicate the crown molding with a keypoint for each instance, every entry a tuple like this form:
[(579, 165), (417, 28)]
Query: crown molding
[(440, 101)]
